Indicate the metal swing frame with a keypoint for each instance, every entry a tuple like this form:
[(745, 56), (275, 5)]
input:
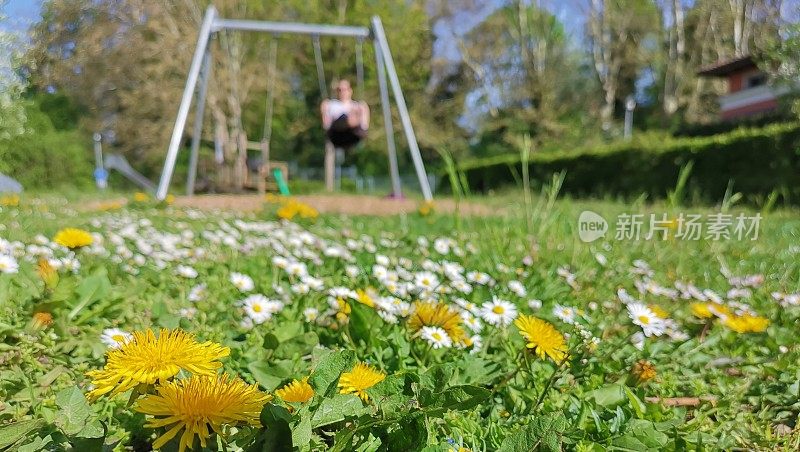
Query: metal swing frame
[(200, 72)]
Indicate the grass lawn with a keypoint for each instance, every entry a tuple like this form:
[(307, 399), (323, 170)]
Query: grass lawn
[(407, 332)]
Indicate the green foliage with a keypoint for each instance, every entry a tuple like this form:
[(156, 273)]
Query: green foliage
[(46, 157), (758, 161)]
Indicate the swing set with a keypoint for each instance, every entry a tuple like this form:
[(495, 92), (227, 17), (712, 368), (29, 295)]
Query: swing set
[(197, 85)]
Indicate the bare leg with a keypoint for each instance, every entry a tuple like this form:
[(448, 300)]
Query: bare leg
[(330, 160)]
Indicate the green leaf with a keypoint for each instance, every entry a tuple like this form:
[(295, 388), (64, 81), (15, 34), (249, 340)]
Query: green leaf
[(328, 370), (74, 410), (301, 433), (543, 433), (270, 375), (641, 434), (411, 433), (363, 320), (336, 409), (437, 377), (276, 434), (461, 397), (271, 341), (90, 290), (608, 395), (11, 433)]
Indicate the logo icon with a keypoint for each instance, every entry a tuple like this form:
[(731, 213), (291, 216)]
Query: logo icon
[(591, 226)]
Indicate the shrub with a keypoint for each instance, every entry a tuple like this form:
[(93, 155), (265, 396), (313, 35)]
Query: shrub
[(46, 158), (758, 161)]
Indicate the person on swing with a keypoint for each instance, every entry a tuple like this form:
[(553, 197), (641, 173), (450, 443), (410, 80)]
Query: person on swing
[(345, 120)]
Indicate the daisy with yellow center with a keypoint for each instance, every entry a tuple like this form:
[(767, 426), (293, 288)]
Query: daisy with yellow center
[(146, 359), (543, 338), (358, 380), (73, 238), (298, 391), (200, 405), (440, 315)]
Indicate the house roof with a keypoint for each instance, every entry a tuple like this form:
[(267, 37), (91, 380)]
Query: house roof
[(724, 68)]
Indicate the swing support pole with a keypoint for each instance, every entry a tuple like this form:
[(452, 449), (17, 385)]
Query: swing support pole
[(199, 71)]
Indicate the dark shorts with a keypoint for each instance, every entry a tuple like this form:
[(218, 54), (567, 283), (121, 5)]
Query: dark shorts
[(342, 135)]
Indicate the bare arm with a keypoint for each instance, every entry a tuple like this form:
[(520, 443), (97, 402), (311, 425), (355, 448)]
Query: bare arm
[(326, 119)]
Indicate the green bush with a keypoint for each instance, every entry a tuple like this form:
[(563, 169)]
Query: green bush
[(758, 161), (46, 158)]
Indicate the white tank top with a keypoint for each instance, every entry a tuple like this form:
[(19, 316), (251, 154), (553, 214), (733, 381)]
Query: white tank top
[(337, 108)]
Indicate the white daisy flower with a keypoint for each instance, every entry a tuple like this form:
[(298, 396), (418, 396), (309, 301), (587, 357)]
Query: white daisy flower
[(300, 288), (638, 340), (186, 271), (565, 313), (436, 336), (517, 288), (352, 271), (259, 308), (641, 315), (197, 293), (477, 344), (601, 259), (382, 260), (472, 322), (425, 281), (188, 312), (8, 264), (310, 314), (442, 245), (498, 312), (535, 304), (242, 282), (115, 337)]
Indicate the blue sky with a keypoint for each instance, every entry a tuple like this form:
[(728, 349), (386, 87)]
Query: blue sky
[(20, 14)]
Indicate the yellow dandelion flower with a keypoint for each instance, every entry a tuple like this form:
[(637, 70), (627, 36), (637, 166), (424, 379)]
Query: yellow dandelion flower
[(11, 200), (199, 402), (48, 274), (701, 310), (437, 314), (642, 372), (658, 311), (141, 197), (543, 338), (358, 380), (146, 359), (298, 391), (426, 208), (365, 298), (73, 238), (747, 323), (42, 320)]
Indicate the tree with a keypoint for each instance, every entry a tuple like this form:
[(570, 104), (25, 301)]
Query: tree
[(620, 34), (12, 85), (126, 62)]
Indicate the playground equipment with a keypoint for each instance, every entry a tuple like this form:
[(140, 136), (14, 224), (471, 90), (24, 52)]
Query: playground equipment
[(199, 74), (118, 163)]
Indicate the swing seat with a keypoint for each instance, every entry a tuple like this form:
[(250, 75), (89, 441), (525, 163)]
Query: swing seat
[(342, 136)]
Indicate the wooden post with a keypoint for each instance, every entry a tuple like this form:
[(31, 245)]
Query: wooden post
[(330, 165)]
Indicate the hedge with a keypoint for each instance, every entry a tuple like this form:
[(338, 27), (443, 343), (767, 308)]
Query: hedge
[(46, 158), (758, 161)]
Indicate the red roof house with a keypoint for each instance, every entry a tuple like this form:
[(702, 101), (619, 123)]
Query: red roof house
[(748, 93)]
